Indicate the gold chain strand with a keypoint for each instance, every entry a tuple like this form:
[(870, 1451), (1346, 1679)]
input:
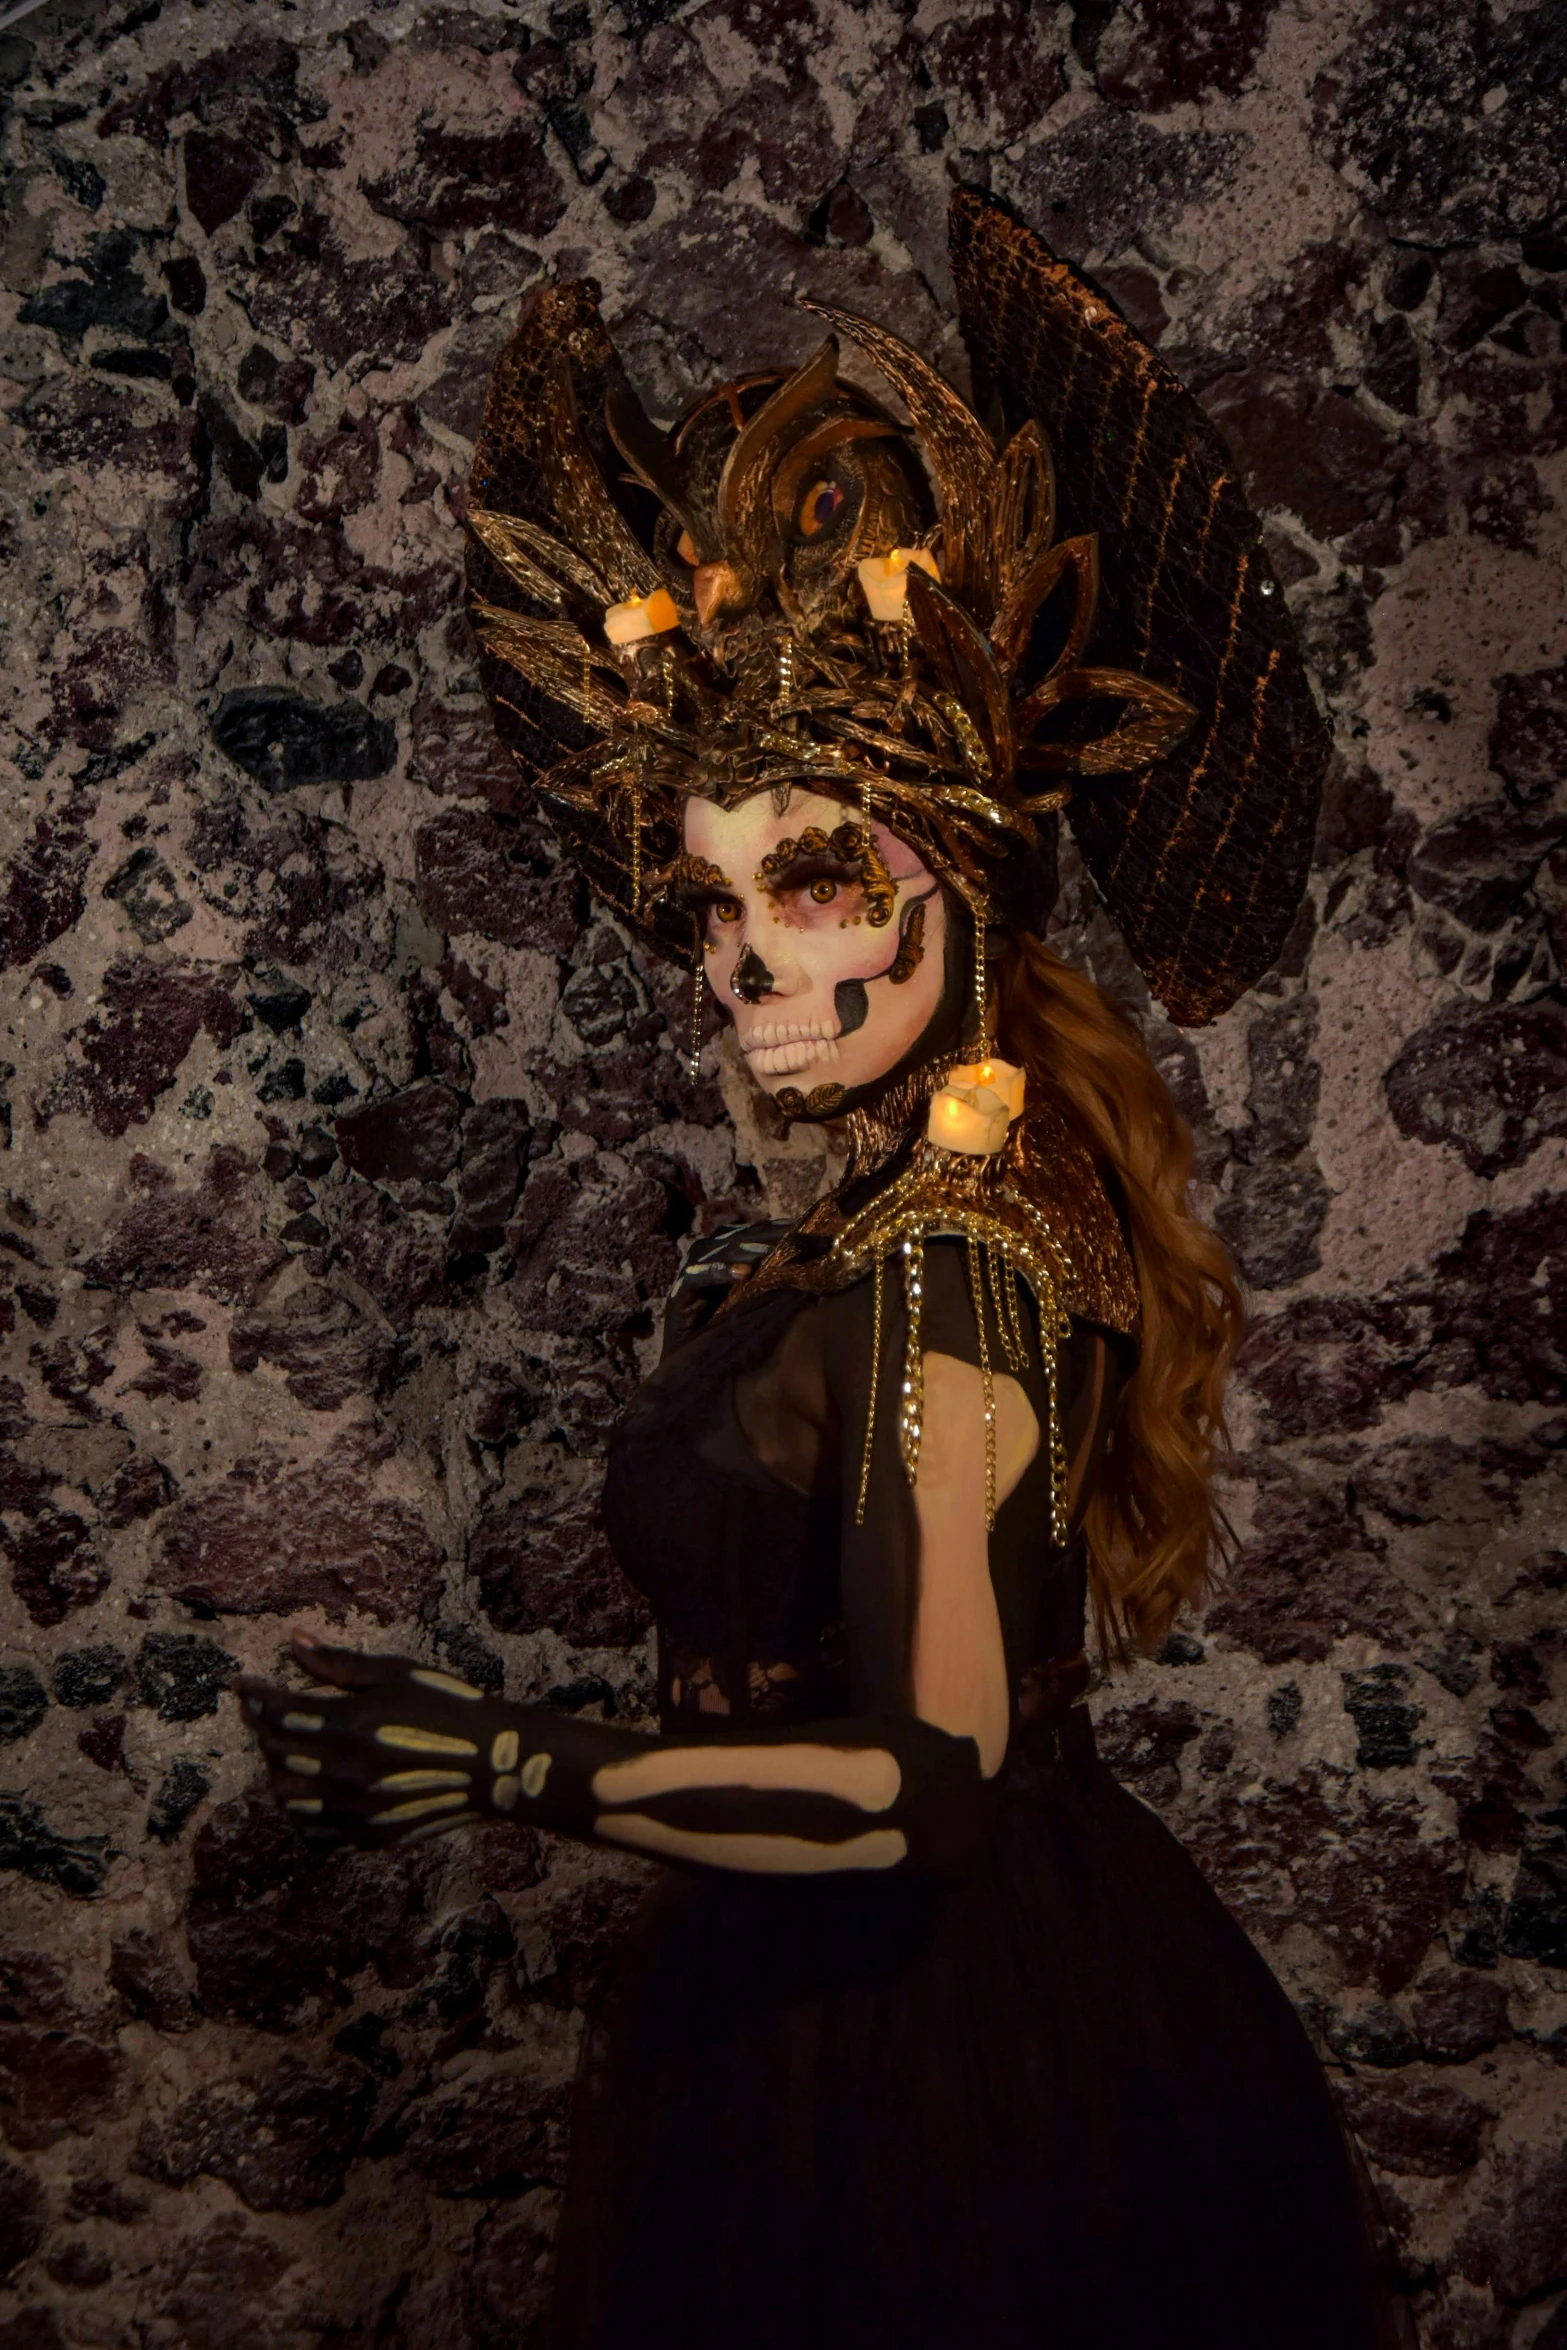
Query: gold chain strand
[(785, 672), (877, 1275), (976, 1282), (636, 853), (911, 1415), (997, 1268), (1058, 1525), (980, 999), (698, 975)]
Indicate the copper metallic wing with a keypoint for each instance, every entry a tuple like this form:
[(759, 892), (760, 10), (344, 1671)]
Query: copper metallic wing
[(1202, 855)]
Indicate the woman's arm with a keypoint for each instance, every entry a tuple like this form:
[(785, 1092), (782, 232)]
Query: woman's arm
[(391, 1752)]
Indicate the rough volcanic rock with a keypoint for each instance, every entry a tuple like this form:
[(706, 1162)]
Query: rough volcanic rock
[(1490, 1079), (284, 740), (270, 1540), (283, 2141), (169, 1238), (1417, 2125)]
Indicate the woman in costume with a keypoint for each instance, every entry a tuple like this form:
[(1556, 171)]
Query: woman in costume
[(932, 2036)]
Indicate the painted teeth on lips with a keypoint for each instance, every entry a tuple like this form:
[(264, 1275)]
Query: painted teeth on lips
[(771, 1032)]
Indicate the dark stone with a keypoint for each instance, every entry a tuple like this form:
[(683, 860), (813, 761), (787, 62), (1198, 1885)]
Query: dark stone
[(631, 199), (220, 172), (1181, 1649), (1528, 740), (1491, 1079), (23, 1703), (495, 1139), (184, 1786), (203, 1239), (507, 2280), (472, 1657), (169, 1373), (1392, 373), (487, 2137), (1384, 1715), (283, 2141), (1004, 64), (541, 1561), (1374, 2034), (269, 1541), (1311, 1575), (85, 1677), (74, 1864), (187, 284), (1460, 2015), (283, 1084), (476, 873), (601, 1002), (146, 888), (104, 2199), (1315, 453), (408, 1137), (1269, 1220), (111, 294), (1107, 175), (44, 893), (132, 1051), (1417, 2126), (1405, 104), (53, 2085), (53, 1565), (139, 1488), (1515, 2239), (1283, 1709), (277, 1933), (181, 1676), (387, 305), (22, 2216), (365, 2040), (931, 127), (328, 1350), (147, 1978), (284, 740), (81, 2267), (458, 180), (1535, 1926), (1160, 54), (1479, 865), (316, 1150), (1142, 1745), (278, 1002), (1286, 1081)]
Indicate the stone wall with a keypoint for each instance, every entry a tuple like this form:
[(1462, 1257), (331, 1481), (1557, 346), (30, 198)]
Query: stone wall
[(350, 1150)]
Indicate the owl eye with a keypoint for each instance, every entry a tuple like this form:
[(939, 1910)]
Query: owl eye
[(822, 504)]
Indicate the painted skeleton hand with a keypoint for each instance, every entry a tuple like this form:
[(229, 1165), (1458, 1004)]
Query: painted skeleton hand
[(395, 1751)]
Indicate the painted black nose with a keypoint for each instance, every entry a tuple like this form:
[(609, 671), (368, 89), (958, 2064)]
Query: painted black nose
[(751, 979)]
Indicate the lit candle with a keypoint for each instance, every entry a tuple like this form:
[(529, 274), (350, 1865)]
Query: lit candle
[(641, 617), (885, 579), (973, 1110)]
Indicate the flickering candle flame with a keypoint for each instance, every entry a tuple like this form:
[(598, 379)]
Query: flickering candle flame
[(641, 617), (973, 1110), (885, 579)]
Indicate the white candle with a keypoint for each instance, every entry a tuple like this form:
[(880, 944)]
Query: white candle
[(885, 579), (643, 616), (975, 1107)]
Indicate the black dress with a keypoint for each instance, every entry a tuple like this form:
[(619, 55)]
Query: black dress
[(1050, 2100)]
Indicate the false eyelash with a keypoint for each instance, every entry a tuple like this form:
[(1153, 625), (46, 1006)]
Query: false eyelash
[(805, 870)]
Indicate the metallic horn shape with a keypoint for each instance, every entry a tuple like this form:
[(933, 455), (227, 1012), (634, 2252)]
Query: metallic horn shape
[(744, 490), (955, 443)]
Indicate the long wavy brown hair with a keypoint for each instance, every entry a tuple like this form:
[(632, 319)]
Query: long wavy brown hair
[(1155, 1532)]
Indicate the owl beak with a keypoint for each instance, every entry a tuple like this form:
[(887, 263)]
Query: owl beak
[(718, 589)]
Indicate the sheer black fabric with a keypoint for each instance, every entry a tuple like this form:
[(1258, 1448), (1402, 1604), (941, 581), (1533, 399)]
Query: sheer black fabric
[(1055, 2103)]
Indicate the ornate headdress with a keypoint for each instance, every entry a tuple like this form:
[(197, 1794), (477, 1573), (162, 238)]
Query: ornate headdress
[(695, 612)]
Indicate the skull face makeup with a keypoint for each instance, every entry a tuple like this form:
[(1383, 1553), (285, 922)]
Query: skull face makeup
[(827, 952)]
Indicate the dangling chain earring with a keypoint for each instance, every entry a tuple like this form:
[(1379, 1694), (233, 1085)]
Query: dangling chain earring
[(698, 976), (981, 997)]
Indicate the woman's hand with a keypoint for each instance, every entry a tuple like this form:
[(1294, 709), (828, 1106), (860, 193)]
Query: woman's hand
[(402, 1751)]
